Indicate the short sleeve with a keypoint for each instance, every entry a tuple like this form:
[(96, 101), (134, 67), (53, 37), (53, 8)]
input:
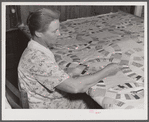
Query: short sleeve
[(46, 71)]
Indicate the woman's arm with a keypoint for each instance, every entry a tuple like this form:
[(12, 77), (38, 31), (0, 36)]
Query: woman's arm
[(83, 83)]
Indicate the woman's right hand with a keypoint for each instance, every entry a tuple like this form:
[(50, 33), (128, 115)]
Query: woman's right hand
[(112, 69), (76, 71)]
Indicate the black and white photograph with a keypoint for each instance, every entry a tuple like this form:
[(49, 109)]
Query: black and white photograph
[(74, 61)]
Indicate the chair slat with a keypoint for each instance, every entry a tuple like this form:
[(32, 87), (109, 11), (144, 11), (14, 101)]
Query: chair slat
[(22, 95), (12, 102), (13, 89)]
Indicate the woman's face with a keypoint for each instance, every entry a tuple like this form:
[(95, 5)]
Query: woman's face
[(52, 33)]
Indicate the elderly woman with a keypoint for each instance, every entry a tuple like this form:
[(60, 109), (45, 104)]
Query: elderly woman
[(46, 84)]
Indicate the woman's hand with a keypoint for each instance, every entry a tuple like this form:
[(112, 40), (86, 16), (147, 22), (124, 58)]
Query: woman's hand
[(75, 71), (112, 69)]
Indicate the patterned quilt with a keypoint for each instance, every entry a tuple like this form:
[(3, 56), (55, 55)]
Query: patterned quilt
[(99, 40)]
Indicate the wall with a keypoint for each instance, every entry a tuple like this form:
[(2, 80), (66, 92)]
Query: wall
[(70, 12), (18, 14)]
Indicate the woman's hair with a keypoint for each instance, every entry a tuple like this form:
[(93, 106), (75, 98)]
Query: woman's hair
[(40, 20)]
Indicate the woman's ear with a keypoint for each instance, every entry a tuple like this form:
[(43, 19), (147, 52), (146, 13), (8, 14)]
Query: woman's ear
[(38, 34)]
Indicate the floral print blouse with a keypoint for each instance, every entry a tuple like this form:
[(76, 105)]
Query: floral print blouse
[(38, 75)]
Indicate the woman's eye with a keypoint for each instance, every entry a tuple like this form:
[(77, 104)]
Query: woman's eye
[(55, 31)]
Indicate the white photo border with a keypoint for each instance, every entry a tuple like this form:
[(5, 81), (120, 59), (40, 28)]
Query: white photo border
[(69, 114)]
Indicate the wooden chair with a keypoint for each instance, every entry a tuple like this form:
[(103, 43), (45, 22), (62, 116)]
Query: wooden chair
[(16, 98), (16, 42)]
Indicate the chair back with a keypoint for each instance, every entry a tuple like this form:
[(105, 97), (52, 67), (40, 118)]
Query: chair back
[(16, 42)]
